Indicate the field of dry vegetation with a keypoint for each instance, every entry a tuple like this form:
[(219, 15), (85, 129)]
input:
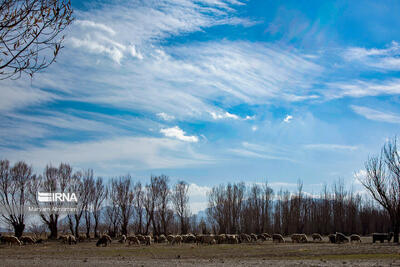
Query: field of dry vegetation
[(55, 253)]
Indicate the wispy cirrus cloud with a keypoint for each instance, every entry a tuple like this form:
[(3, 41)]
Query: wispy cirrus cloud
[(386, 59), (261, 151), (363, 88), (119, 153), (332, 147), (376, 115)]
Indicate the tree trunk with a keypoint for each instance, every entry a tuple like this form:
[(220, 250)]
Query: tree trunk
[(18, 229), (53, 230), (96, 224), (396, 234)]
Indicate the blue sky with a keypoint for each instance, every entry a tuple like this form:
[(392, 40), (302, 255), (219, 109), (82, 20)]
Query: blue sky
[(212, 91)]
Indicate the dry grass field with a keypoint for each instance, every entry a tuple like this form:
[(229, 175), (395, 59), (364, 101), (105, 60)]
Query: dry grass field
[(54, 253)]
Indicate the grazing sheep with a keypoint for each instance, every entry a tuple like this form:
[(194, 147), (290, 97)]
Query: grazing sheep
[(11, 240), (71, 239), (141, 238), (341, 238), (277, 238), (82, 237), (170, 238), (27, 240), (382, 237), (332, 238), (161, 238), (244, 238), (133, 239), (355, 238), (148, 240), (123, 239), (232, 239), (208, 239), (104, 240), (177, 240), (316, 236), (299, 238), (199, 239), (189, 238), (253, 237), (63, 238), (221, 239)]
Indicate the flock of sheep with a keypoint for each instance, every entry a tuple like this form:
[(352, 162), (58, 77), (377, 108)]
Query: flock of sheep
[(210, 239)]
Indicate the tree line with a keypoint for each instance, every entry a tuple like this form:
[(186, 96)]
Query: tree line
[(120, 205)]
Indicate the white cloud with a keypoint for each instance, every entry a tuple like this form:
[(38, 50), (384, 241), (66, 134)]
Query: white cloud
[(381, 59), (330, 147), (288, 118), (165, 116), (198, 191), (226, 115), (250, 117), (376, 115), (94, 25), (179, 134), (254, 128)]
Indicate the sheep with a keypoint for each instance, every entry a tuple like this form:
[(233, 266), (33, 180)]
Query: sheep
[(170, 238), (27, 240), (63, 238), (104, 240), (161, 238), (278, 238), (220, 238), (208, 239), (133, 239), (316, 236), (332, 238), (122, 239), (190, 238), (253, 237), (382, 237), (355, 238), (232, 239), (82, 237), (148, 240), (71, 239), (244, 238), (299, 238), (141, 238), (341, 238), (10, 240), (199, 239), (177, 240)]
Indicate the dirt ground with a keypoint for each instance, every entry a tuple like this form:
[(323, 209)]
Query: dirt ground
[(266, 253)]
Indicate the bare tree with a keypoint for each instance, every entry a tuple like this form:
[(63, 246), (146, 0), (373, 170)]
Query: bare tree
[(163, 215), (383, 182), (112, 211), (81, 184), (30, 34), (180, 199), (124, 192), (139, 206), (99, 195), (53, 180), (13, 193)]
